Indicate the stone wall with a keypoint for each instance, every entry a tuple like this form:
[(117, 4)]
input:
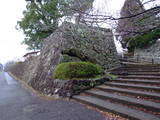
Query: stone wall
[(72, 43), (149, 54)]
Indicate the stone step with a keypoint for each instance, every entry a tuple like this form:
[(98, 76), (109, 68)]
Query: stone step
[(125, 85), (128, 61), (115, 108), (130, 92), (141, 65), (151, 82), (136, 70), (140, 69), (132, 64), (148, 105), (137, 73), (140, 77)]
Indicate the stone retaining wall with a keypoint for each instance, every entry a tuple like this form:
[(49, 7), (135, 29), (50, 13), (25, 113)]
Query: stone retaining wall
[(72, 42), (149, 54)]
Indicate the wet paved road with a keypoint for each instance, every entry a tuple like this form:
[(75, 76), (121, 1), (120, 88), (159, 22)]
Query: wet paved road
[(18, 104)]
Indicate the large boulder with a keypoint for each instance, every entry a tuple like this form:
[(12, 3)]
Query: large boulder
[(73, 43), (136, 21), (127, 27)]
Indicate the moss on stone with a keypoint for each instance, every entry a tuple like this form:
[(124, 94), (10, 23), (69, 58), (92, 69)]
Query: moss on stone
[(74, 70), (78, 54), (66, 58)]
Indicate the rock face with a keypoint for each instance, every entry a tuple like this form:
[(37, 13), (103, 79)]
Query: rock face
[(149, 54), (73, 43), (128, 27)]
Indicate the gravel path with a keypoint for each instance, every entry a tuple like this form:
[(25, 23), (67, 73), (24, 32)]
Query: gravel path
[(18, 104)]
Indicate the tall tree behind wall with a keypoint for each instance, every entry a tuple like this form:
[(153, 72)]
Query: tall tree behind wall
[(77, 8), (131, 24), (127, 27), (41, 18), (39, 21)]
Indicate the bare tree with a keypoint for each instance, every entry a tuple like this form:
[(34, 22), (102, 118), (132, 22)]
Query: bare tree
[(136, 20), (132, 26)]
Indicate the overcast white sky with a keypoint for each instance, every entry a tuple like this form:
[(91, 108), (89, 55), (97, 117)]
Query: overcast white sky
[(10, 38)]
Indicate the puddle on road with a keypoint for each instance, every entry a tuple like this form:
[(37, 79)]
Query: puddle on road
[(35, 108), (30, 108)]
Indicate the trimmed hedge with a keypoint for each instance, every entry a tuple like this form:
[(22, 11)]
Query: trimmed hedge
[(73, 70)]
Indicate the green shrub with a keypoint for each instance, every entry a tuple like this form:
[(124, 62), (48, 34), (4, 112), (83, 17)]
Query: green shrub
[(73, 70), (142, 41)]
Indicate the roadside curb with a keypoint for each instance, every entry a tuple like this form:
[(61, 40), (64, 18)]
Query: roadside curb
[(31, 90)]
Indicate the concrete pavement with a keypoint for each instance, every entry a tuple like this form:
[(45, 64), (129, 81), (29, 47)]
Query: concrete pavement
[(16, 103)]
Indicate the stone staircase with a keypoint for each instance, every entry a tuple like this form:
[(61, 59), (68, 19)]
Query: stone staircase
[(135, 94)]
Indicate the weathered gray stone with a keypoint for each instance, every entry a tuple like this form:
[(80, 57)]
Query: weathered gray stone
[(67, 58), (134, 26), (86, 44)]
